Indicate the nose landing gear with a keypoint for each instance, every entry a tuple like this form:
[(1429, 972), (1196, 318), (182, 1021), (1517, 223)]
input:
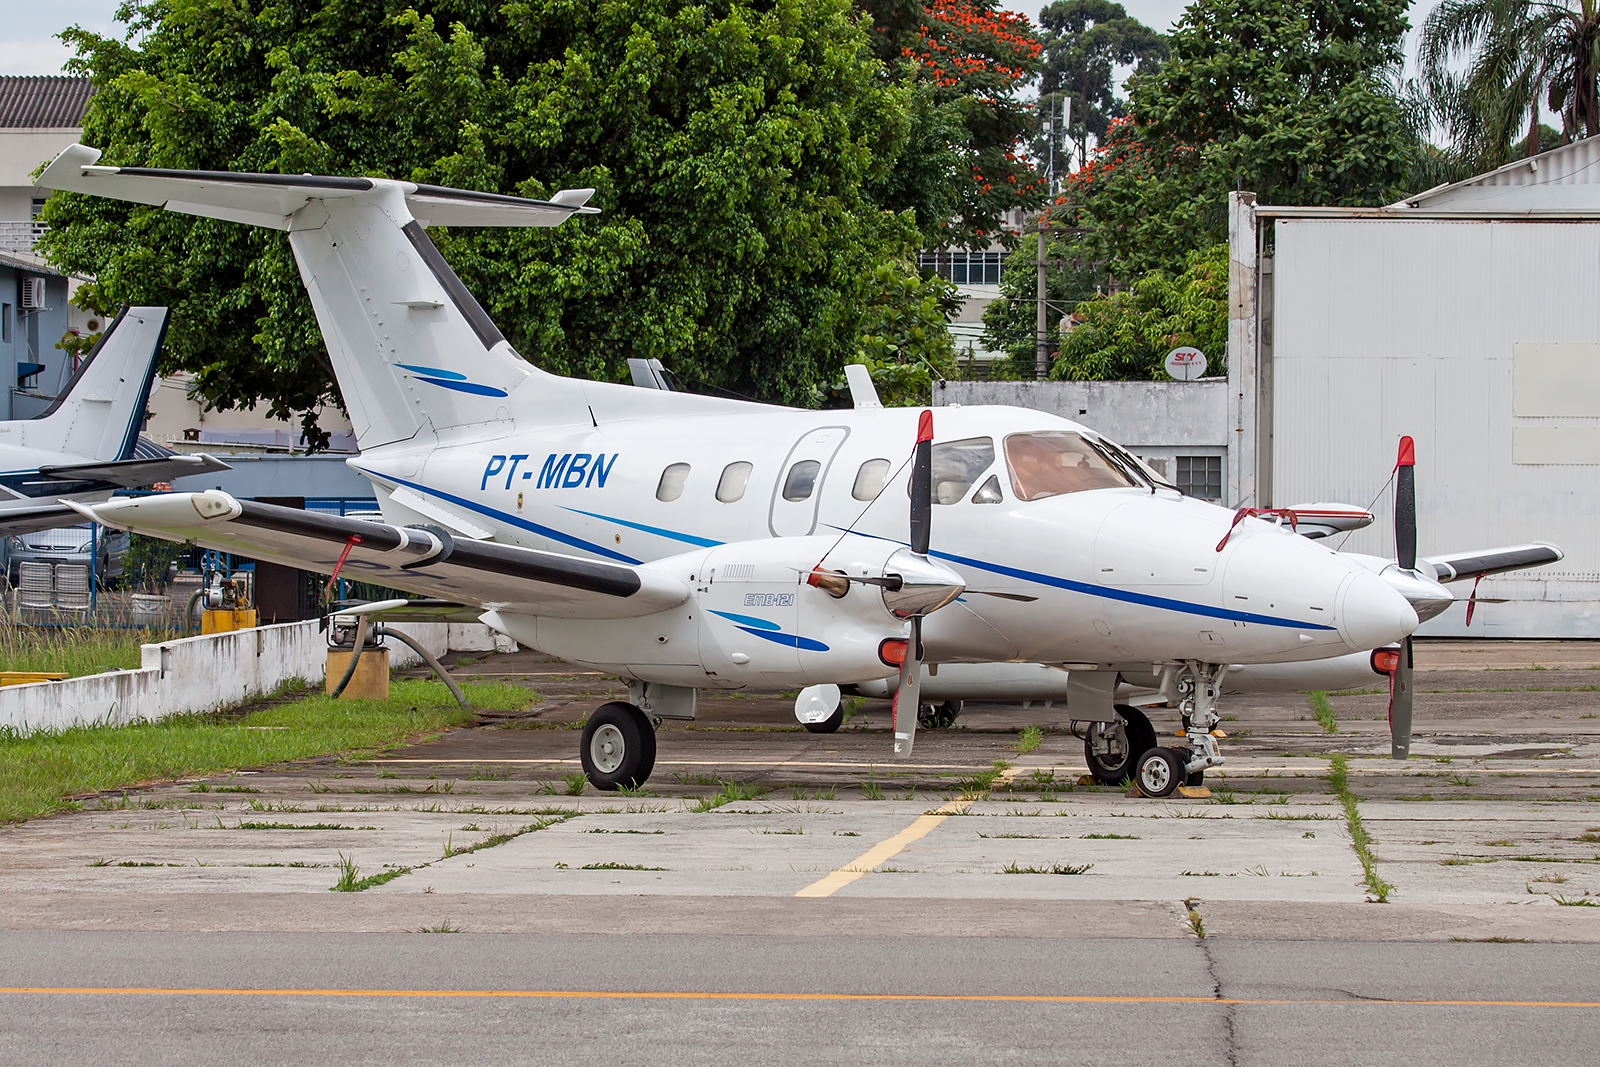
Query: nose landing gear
[(1198, 686)]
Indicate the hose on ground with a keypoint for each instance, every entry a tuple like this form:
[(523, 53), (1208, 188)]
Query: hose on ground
[(431, 660)]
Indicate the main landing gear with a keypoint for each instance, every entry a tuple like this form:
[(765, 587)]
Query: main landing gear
[(618, 749), (1126, 749)]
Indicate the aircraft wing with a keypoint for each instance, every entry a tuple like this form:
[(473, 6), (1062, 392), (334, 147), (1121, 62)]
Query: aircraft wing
[(429, 561), (21, 518), (130, 473), (1462, 565)]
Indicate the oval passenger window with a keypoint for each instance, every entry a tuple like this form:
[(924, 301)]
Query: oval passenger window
[(802, 479), (735, 476), (672, 479), (870, 479)]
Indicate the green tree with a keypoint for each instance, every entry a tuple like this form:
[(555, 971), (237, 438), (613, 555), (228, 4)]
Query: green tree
[(1127, 336), (1293, 99), (905, 340), (1521, 56), (733, 147), (1085, 41)]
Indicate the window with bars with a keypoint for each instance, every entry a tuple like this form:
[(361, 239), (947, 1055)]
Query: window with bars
[(1200, 477), (963, 268)]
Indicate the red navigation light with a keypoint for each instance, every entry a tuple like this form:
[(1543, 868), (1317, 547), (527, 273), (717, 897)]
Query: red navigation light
[(892, 651), (1385, 660)]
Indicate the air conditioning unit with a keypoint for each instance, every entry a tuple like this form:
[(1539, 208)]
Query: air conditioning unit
[(33, 294)]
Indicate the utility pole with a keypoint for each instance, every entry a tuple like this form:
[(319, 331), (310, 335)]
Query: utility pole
[(1041, 355)]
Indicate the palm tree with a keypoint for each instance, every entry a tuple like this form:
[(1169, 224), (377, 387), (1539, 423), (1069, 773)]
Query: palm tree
[(1522, 55)]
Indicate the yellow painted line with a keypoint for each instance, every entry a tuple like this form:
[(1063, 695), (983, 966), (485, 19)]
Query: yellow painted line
[(609, 994), (883, 851), (775, 763)]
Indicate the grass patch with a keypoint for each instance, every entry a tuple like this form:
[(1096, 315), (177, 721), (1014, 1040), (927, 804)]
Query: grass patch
[(1110, 837), (1032, 737), (1360, 840), (350, 880), (1197, 925), (730, 792), (39, 774), (446, 927), (1320, 707), (496, 839), (618, 867), (77, 650), (1054, 868)]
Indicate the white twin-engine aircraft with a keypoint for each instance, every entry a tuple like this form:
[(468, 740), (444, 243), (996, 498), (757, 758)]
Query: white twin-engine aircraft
[(86, 445), (685, 542)]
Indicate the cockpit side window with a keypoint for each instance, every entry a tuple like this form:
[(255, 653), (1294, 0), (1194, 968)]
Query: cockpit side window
[(956, 465), (1053, 462)]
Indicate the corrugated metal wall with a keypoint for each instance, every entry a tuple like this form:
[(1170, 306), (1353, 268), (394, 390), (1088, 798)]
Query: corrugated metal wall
[(1384, 328)]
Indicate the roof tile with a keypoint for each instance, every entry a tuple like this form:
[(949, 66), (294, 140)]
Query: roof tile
[(53, 101)]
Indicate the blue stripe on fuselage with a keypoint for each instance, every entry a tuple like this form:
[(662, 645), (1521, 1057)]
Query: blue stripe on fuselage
[(688, 539), (531, 527), (1124, 595)]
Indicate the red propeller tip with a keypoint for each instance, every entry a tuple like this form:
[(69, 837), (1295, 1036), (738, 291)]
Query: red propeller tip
[(925, 427), (1408, 453)]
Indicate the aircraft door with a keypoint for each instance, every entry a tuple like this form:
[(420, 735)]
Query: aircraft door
[(798, 492)]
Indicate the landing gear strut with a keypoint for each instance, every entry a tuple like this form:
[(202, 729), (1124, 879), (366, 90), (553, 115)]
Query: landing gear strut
[(618, 748), (938, 716), (1198, 686)]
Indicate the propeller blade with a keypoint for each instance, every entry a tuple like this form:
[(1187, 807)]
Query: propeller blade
[(1400, 697), (922, 486), (908, 695), (1405, 506)]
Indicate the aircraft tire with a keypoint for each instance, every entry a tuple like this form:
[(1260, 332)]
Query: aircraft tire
[(1160, 773), (938, 716), (829, 725), (618, 747), (1141, 739)]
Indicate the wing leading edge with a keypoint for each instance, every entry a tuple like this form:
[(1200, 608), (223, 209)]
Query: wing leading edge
[(425, 560)]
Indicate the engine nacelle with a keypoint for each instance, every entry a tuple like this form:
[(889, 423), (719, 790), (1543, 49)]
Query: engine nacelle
[(753, 618)]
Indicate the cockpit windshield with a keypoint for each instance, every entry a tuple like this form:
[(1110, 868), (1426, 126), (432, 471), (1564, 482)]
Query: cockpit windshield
[(1054, 462)]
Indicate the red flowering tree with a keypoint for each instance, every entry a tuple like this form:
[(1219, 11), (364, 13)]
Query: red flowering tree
[(965, 165)]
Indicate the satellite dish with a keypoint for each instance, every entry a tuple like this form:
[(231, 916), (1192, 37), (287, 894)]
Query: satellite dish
[(1186, 364)]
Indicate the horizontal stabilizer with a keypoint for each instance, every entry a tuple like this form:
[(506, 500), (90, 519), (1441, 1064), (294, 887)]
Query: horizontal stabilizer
[(26, 518), (130, 473), (416, 559), (1325, 520), (1462, 565), (270, 199)]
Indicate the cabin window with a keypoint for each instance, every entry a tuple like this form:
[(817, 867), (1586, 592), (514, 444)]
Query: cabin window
[(802, 480), (956, 465), (672, 479), (989, 492), (1055, 462), (870, 479), (731, 486)]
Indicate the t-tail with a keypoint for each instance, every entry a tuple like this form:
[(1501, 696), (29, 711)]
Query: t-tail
[(98, 415), (413, 352)]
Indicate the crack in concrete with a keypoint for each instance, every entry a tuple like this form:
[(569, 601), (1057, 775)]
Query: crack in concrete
[(1191, 907)]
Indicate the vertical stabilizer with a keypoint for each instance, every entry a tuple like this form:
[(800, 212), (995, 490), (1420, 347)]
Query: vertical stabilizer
[(414, 353), (99, 413)]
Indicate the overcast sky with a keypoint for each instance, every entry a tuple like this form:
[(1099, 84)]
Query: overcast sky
[(28, 45)]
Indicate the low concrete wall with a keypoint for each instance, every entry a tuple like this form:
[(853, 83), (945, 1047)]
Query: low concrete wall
[(200, 674)]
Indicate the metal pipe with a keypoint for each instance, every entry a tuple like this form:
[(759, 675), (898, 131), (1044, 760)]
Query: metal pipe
[(355, 658), (430, 660)]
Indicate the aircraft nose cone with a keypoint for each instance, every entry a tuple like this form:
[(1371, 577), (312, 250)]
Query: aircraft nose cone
[(1372, 613)]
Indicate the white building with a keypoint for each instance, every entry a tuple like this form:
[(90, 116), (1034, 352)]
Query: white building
[(1467, 317)]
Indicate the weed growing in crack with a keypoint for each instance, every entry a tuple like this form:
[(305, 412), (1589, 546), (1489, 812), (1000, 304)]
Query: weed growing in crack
[(1323, 711), (1360, 840)]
